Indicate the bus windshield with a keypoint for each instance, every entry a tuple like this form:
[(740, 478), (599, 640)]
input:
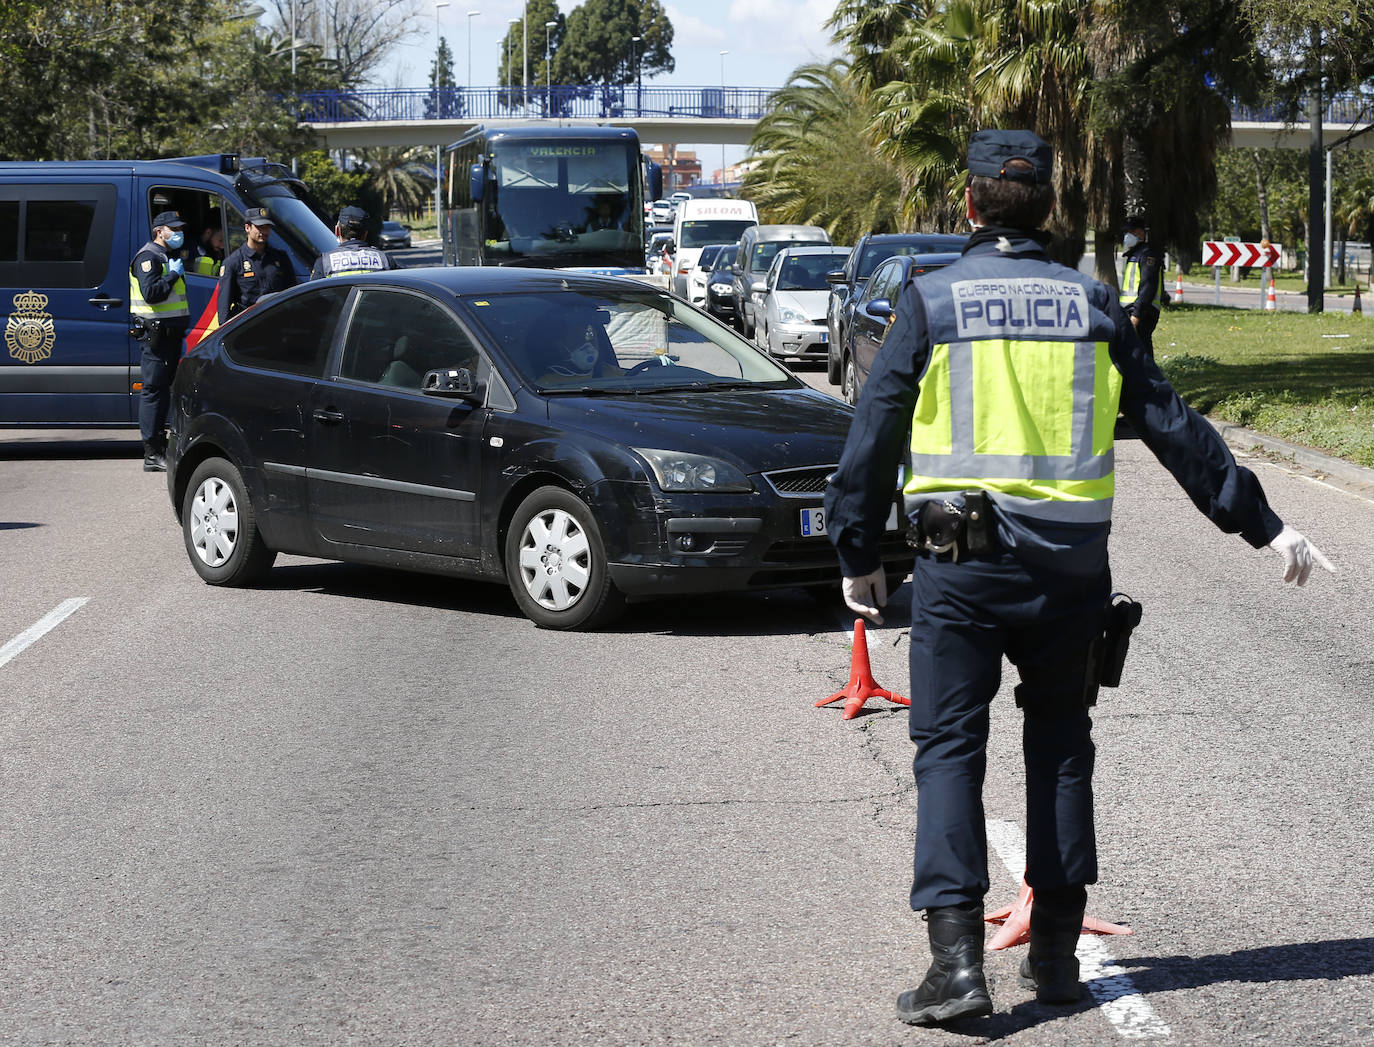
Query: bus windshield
[(564, 203), (713, 231)]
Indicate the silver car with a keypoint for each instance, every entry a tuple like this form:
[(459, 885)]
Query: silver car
[(790, 318)]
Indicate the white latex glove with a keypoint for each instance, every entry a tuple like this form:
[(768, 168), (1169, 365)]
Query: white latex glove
[(865, 594), (1298, 555)]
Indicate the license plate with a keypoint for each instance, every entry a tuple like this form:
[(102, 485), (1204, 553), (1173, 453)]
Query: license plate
[(813, 522), (824, 337)]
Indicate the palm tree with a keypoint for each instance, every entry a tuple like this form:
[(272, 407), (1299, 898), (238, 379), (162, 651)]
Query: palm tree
[(815, 163), (402, 177)]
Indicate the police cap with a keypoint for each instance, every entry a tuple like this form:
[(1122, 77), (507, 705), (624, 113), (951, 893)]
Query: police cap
[(170, 219), (1133, 221), (989, 152), (258, 216), (352, 216)]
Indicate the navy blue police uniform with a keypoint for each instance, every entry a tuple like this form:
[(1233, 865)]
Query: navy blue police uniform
[(1143, 285), (1034, 588), (353, 256), (159, 317), (248, 275)]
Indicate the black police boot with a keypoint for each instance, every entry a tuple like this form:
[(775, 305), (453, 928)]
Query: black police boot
[(954, 986), (1051, 968), (154, 458)]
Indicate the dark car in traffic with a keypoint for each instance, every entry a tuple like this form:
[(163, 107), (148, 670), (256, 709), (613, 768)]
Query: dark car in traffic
[(720, 286), (587, 440), (873, 312), (848, 283), (392, 236)]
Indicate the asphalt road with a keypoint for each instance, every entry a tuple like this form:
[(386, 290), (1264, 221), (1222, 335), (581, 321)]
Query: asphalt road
[(361, 806)]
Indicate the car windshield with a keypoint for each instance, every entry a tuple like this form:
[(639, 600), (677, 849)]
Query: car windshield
[(875, 255), (807, 272), (725, 260), (631, 341), (392, 227)]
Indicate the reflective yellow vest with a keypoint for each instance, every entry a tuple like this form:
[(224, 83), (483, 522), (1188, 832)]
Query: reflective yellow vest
[(1130, 283), (173, 305), (1029, 419)]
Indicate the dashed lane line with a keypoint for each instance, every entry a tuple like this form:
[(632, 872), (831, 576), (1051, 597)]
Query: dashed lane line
[(41, 628), (1115, 993)]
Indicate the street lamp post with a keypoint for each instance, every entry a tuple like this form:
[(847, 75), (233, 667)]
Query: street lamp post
[(471, 16), (525, 43), (510, 73), (722, 111), (634, 60), (548, 74), (438, 114)]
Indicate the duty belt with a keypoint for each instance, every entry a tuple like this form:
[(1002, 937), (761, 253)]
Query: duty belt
[(955, 529)]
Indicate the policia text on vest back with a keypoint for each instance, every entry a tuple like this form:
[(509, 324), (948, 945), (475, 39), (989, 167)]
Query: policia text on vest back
[(67, 234)]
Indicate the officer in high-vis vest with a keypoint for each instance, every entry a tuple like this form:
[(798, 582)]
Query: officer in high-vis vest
[(1142, 280), (1000, 381), (159, 318), (353, 256)]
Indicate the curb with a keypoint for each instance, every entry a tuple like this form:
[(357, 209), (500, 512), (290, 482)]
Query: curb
[(1244, 439)]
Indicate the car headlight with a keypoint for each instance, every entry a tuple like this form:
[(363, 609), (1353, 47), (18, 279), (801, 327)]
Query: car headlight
[(722, 288), (790, 316), (681, 471)]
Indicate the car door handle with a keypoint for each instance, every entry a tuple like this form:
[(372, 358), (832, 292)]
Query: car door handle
[(105, 302), (328, 416)]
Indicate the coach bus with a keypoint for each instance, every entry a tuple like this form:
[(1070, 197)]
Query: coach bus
[(547, 196)]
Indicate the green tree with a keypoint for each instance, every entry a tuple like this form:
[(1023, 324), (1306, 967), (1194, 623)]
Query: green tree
[(403, 178), (597, 43), (812, 151), (444, 100), (537, 12)]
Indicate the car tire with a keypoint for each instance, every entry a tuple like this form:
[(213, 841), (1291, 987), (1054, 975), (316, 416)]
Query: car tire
[(832, 365), (556, 563), (220, 529), (849, 387)]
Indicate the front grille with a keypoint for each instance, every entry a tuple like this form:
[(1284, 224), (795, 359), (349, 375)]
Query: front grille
[(800, 483)]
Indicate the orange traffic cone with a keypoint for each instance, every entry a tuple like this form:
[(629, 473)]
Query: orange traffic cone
[(1015, 921), (1178, 288), (1270, 302), (861, 686), (1355, 308)]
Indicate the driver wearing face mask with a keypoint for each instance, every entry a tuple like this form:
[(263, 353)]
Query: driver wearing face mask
[(160, 316), (580, 357)]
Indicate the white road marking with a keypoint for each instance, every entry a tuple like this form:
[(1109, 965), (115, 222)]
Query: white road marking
[(40, 628), (1114, 991)]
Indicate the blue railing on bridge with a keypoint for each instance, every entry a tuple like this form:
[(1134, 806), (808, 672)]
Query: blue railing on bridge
[(1341, 109), (598, 102)]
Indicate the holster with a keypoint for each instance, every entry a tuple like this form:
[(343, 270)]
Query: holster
[(955, 528), (1107, 654)]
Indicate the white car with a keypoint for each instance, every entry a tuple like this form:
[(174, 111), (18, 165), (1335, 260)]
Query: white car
[(790, 319), (700, 273)]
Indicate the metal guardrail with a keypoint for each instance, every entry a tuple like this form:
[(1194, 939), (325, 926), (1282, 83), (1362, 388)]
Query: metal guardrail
[(601, 102), (598, 102)]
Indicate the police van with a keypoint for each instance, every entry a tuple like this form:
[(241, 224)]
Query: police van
[(702, 221), (68, 231)]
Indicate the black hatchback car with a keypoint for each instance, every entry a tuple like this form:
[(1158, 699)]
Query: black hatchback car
[(586, 439)]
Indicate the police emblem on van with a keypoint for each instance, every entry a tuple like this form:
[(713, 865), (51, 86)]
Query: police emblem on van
[(29, 332)]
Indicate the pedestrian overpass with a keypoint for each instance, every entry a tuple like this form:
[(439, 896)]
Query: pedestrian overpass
[(668, 115)]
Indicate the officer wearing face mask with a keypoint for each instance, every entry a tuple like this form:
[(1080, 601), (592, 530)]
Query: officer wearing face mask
[(159, 319), (1142, 282)]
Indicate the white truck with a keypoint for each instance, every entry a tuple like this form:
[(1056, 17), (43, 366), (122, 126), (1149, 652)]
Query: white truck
[(707, 220)]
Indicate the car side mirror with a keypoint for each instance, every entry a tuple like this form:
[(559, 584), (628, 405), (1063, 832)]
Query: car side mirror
[(476, 182), (880, 309), (835, 276), (758, 287), (453, 383)]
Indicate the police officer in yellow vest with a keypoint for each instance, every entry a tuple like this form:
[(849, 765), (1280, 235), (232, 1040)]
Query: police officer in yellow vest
[(160, 316), (1142, 281), (1006, 369)]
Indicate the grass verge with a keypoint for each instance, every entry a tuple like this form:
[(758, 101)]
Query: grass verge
[(1305, 378)]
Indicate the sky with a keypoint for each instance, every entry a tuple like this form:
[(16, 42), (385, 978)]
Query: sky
[(766, 40)]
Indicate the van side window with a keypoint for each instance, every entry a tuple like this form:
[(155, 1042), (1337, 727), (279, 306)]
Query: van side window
[(203, 212), (54, 235), (295, 338)]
